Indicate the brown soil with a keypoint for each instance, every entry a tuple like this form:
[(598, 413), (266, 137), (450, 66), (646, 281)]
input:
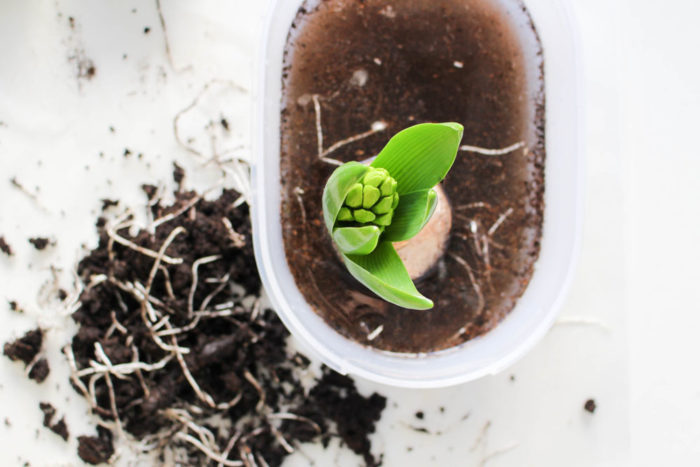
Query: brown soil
[(40, 370), (96, 449), (237, 353), (26, 347), (39, 242), (590, 406), (5, 247), (60, 427), (405, 63)]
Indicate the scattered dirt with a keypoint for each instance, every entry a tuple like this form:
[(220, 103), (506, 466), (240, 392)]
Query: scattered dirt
[(85, 68), (96, 449), (40, 370), (590, 406), (234, 363), (5, 247), (39, 242), (26, 347), (108, 203), (60, 427), (178, 175)]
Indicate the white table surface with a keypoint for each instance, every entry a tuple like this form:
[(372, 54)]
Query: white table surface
[(627, 336)]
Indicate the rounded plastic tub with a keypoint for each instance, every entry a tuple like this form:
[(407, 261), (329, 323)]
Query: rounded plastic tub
[(536, 310)]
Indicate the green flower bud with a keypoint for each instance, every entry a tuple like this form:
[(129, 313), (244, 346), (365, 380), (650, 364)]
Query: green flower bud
[(384, 219), (384, 205), (371, 200), (354, 197), (376, 177), (370, 195), (363, 216), (388, 187), (345, 215)]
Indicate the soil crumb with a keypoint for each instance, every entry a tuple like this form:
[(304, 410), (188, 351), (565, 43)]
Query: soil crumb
[(96, 449), (39, 243), (178, 175), (60, 427), (590, 406), (5, 247), (26, 347), (40, 370), (109, 203)]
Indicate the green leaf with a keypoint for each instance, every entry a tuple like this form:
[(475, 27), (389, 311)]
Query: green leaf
[(419, 157), (357, 240), (383, 272), (337, 188), (432, 204), (410, 216)]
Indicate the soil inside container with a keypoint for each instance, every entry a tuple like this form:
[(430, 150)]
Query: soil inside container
[(351, 63)]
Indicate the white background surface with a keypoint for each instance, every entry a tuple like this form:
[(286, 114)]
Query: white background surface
[(626, 337)]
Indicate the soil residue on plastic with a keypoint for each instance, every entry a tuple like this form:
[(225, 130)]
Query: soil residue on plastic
[(401, 64)]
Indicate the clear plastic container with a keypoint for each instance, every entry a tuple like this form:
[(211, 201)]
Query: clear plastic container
[(536, 310)]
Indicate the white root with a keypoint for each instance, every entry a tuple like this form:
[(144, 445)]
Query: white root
[(323, 154), (203, 396), (299, 192), (319, 132), (195, 279), (295, 417), (261, 393), (122, 369), (482, 438), (101, 355), (474, 205), (376, 128), (229, 446), (492, 152), (237, 239), (582, 320), (167, 41), (177, 213), (144, 251), (374, 334), (281, 439), (161, 253), (497, 453), (475, 285), (500, 221), (206, 451), (176, 120)]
